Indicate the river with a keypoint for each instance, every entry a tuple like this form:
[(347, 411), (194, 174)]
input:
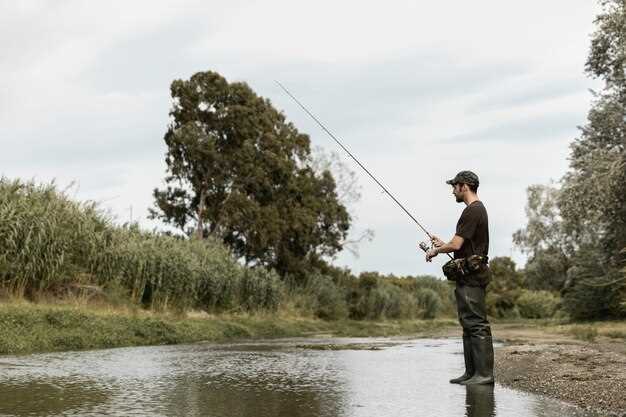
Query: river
[(285, 377)]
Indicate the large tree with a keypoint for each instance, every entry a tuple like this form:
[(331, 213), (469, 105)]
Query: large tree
[(586, 236), (239, 171), (593, 201), (544, 240)]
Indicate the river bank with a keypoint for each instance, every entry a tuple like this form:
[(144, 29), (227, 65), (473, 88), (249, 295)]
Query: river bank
[(580, 364), (29, 328)]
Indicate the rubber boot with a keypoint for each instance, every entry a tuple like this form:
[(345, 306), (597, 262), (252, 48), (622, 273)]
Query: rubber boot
[(469, 364), (482, 354)]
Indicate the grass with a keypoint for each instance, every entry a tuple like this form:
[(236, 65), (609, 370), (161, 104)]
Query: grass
[(27, 327), (591, 331), (586, 331), (609, 329)]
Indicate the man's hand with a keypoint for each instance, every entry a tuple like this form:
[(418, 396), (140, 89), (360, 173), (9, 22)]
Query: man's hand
[(436, 241), (431, 254)]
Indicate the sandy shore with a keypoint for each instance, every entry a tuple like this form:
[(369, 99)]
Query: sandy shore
[(548, 361)]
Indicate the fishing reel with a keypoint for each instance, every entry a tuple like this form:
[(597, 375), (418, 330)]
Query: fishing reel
[(425, 247)]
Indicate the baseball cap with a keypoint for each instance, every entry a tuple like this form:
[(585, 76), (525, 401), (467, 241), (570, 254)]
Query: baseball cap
[(464, 177)]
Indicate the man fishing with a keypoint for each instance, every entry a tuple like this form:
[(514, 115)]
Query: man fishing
[(470, 271), (469, 267)]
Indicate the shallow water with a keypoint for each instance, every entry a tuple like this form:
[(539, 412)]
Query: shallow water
[(261, 378)]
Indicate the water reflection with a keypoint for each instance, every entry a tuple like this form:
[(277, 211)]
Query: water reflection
[(479, 401), (267, 378), (259, 386), (50, 397)]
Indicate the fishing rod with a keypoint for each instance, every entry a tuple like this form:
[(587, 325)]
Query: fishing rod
[(422, 245)]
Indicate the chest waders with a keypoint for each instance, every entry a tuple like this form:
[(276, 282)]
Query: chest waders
[(470, 292)]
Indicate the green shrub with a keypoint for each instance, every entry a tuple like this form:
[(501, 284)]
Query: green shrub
[(502, 304), (510, 314), (382, 299), (326, 299), (537, 304), (369, 280), (377, 301), (443, 289), (374, 296), (506, 285), (428, 302), (595, 297)]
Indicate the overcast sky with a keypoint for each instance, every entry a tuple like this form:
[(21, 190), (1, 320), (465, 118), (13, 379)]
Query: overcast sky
[(417, 89)]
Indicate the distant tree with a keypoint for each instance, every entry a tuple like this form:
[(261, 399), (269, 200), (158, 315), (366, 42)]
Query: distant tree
[(544, 240), (239, 171), (592, 201), (544, 229), (348, 193)]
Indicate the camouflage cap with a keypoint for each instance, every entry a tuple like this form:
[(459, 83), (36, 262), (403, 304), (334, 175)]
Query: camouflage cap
[(464, 177)]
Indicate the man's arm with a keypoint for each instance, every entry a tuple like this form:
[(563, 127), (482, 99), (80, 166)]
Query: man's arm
[(442, 247)]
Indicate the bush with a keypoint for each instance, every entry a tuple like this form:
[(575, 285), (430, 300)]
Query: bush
[(503, 304), (428, 302), (594, 292), (505, 287), (326, 299), (537, 304), (376, 297), (443, 289)]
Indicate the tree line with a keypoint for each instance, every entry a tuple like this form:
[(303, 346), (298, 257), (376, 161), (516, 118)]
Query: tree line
[(575, 237)]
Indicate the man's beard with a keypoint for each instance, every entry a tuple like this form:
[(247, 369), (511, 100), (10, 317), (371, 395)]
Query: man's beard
[(459, 199)]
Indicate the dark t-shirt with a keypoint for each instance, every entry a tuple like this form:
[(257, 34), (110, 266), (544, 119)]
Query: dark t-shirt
[(474, 229)]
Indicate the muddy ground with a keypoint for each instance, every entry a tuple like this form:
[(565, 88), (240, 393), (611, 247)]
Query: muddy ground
[(549, 361)]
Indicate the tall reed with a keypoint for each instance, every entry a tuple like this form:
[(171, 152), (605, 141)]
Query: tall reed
[(47, 240)]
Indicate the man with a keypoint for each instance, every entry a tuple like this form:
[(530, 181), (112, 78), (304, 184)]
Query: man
[(469, 269)]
